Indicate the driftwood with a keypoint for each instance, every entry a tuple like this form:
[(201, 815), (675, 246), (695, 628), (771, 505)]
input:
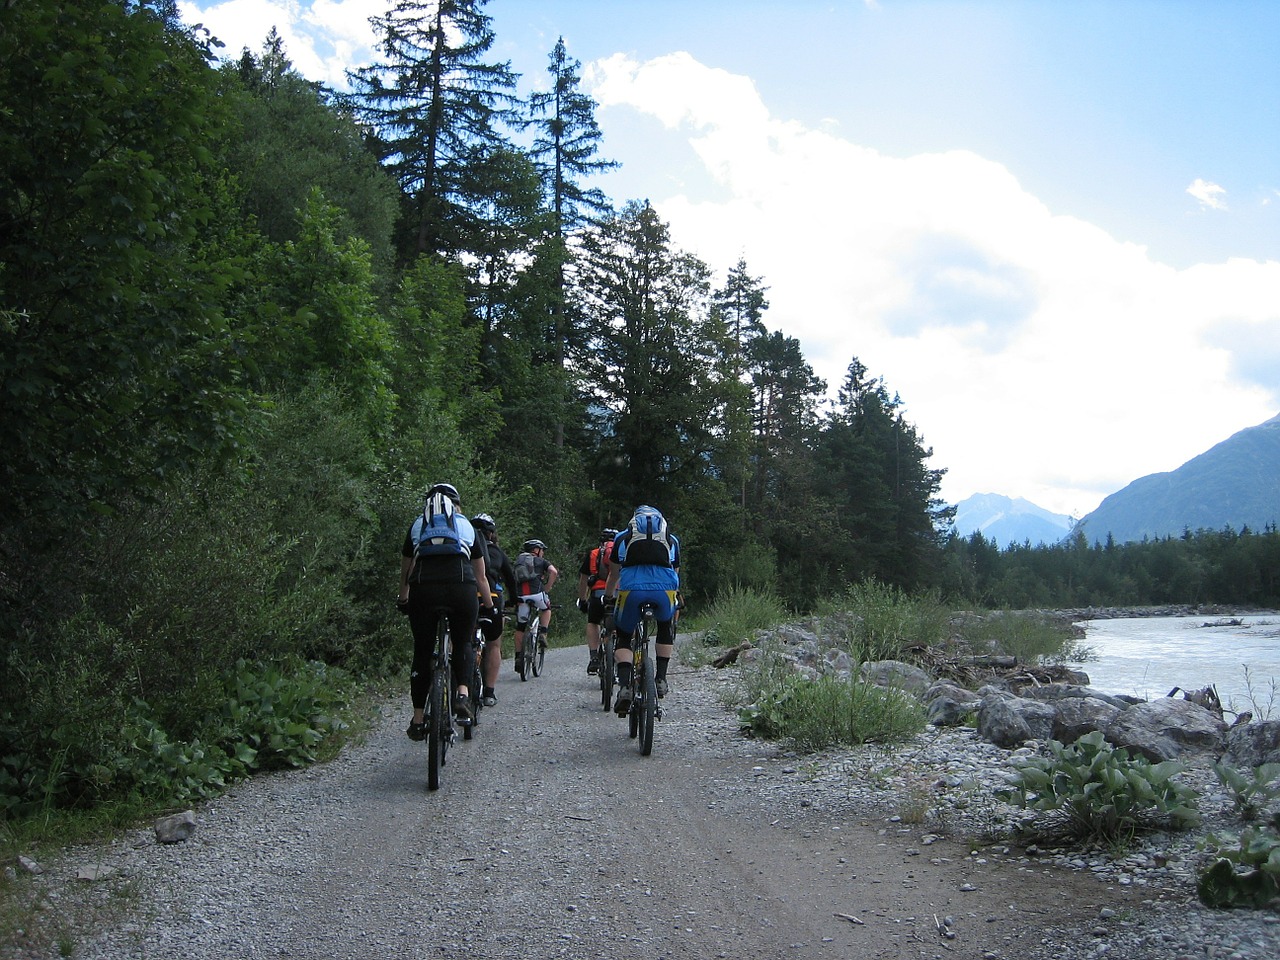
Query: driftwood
[(731, 655), (1207, 698)]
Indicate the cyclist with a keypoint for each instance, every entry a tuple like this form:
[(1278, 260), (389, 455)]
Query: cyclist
[(592, 578), (644, 568), (502, 583), (535, 576), (440, 566)]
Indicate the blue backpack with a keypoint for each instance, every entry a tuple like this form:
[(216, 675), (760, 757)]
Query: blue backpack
[(649, 543), (435, 533)]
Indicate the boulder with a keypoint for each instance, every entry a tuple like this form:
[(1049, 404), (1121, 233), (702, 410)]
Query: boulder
[(1251, 745), (1069, 691), (1166, 729), (1009, 721), (895, 673), (948, 705), (1077, 716)]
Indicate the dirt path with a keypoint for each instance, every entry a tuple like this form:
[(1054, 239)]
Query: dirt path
[(551, 837)]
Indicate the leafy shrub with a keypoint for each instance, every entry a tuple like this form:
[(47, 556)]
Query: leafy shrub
[(1100, 791), (1246, 872), (1254, 793), (274, 715)]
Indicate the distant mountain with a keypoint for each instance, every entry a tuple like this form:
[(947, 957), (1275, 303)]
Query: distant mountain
[(1008, 521), (1234, 484)]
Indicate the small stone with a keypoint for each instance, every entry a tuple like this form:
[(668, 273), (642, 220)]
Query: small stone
[(176, 828), (31, 866)]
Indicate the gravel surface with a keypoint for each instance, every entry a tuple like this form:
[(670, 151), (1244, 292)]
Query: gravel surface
[(551, 837)]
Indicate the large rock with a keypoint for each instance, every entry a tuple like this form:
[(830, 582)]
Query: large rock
[(1166, 729), (1009, 721), (895, 673), (1077, 716), (1253, 744), (948, 705), (1055, 692)]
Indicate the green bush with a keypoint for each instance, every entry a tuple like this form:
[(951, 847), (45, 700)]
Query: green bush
[(1101, 792), (1251, 793), (1246, 871), (268, 716)]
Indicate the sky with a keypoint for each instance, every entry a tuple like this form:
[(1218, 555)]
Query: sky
[(1051, 228)]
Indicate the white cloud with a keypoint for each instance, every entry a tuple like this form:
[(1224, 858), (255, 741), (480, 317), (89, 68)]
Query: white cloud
[(1038, 356), (322, 38), (1209, 194)]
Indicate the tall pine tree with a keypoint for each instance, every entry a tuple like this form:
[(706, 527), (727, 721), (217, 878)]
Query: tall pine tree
[(432, 101)]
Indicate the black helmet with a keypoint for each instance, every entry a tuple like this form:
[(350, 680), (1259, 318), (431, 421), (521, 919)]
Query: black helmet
[(483, 521), (608, 533), (449, 490), (535, 545)]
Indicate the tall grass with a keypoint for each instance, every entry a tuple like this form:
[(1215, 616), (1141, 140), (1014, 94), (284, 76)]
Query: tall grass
[(827, 711), (735, 615), (1030, 636), (876, 621)]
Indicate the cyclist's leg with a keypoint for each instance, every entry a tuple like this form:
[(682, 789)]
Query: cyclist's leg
[(522, 621), (625, 617), (492, 656), (665, 647), (422, 622), (463, 611), (595, 617), (544, 616)]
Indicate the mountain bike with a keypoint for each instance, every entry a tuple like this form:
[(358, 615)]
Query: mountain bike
[(441, 727), (644, 684)]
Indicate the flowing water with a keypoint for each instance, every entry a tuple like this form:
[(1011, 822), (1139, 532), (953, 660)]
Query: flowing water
[(1148, 657)]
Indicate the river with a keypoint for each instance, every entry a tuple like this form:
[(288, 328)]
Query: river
[(1148, 657)]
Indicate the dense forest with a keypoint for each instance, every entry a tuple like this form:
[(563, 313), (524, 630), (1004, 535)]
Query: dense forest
[(245, 321)]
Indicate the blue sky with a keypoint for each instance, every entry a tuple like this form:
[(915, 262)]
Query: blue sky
[(1052, 227)]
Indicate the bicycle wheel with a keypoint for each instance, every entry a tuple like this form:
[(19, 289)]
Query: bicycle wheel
[(606, 673), (540, 654), (648, 707), (532, 643), (438, 712)]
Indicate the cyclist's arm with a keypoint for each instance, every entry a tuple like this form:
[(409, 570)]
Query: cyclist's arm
[(615, 574), (406, 567), (486, 595), (584, 582)]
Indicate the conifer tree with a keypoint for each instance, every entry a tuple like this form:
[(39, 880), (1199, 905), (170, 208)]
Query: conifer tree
[(431, 101)]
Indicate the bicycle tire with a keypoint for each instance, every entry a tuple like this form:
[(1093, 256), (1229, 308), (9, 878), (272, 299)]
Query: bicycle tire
[(606, 673), (648, 708), (437, 707), (531, 648), (540, 656)]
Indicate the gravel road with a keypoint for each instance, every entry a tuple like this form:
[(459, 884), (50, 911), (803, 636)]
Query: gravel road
[(551, 837)]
